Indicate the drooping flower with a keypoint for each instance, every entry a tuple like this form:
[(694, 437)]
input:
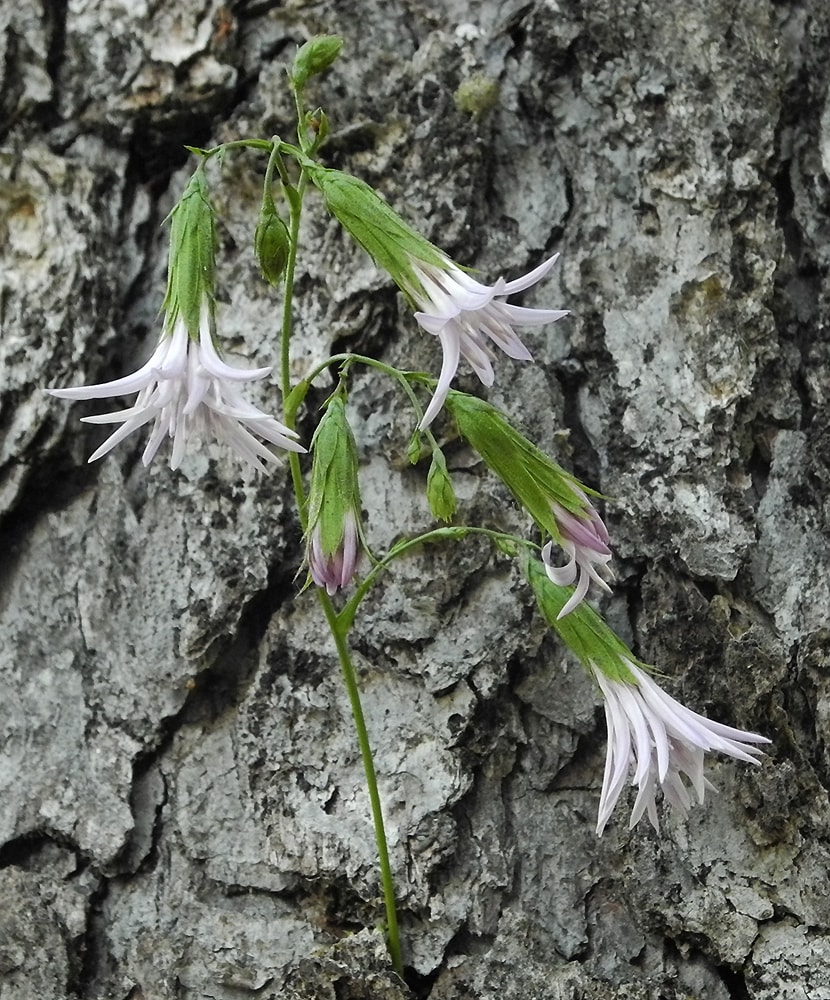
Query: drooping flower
[(555, 499), (467, 317), (334, 538), (657, 740), (584, 538), (187, 390)]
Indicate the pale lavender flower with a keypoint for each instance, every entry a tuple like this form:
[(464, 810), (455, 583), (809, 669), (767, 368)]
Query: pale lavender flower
[(656, 740), (335, 570), (585, 540), (187, 390), (465, 314)]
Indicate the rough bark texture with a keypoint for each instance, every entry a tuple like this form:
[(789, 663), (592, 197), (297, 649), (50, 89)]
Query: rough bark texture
[(183, 811)]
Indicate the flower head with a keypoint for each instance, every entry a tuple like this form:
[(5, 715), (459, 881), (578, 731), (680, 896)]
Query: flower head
[(657, 740), (186, 389), (467, 317), (585, 539)]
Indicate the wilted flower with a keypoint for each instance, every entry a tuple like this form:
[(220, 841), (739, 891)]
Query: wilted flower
[(334, 570), (656, 739), (584, 538), (186, 389), (465, 314)]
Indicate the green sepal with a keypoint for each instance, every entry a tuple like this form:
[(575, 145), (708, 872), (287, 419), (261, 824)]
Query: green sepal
[(272, 243), (535, 480), (390, 242), (191, 265), (415, 448), (582, 630), (334, 490), (316, 55), (440, 494)]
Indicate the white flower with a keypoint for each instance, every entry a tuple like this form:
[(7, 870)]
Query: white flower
[(585, 539), (656, 739), (186, 390), (464, 315)]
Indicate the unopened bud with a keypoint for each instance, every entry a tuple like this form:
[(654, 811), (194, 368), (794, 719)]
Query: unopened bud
[(316, 55), (271, 242), (440, 493), (333, 533)]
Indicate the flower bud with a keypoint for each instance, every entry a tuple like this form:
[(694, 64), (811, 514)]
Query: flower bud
[(316, 55), (440, 493), (535, 480), (271, 241), (333, 533), (555, 499)]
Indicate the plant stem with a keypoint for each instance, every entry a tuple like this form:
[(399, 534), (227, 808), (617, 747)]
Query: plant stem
[(294, 197), (350, 680)]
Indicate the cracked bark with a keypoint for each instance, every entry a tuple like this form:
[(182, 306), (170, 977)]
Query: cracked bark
[(182, 804)]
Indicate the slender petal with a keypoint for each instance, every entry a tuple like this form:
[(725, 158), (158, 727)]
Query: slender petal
[(657, 740), (334, 570), (186, 390), (468, 316), (585, 540)]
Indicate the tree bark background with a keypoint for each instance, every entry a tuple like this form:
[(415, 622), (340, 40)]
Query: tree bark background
[(182, 809)]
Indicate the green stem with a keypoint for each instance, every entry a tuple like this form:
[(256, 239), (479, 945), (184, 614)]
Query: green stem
[(402, 378), (294, 197), (455, 533), (338, 631), (350, 680)]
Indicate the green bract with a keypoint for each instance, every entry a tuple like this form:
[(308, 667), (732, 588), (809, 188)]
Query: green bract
[(190, 270), (383, 234), (535, 480), (314, 56), (334, 489), (440, 493), (582, 630)]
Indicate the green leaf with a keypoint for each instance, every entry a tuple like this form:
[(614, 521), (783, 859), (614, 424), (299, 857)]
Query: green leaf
[(390, 242), (191, 265)]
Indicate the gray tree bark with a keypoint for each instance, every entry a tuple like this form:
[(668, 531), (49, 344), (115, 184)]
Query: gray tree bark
[(183, 809)]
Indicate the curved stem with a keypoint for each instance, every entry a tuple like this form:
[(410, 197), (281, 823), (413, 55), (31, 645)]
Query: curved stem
[(347, 358), (350, 680), (456, 533)]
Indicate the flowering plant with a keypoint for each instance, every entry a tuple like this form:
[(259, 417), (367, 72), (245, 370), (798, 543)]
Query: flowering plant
[(187, 390)]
